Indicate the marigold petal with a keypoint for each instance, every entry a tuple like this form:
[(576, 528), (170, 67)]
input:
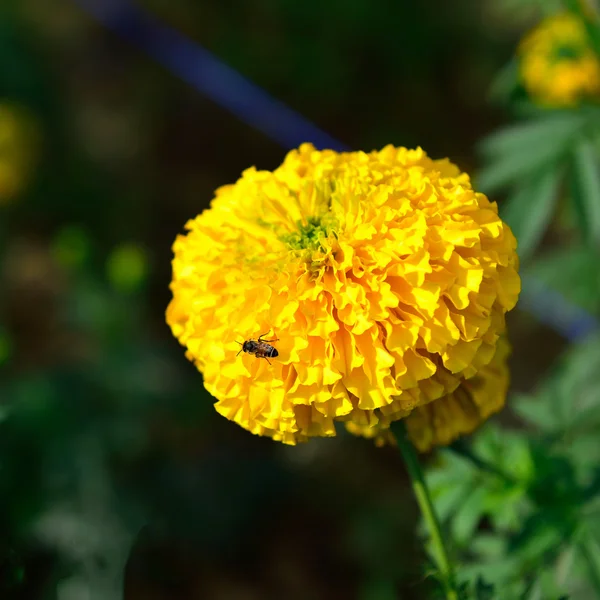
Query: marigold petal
[(369, 287)]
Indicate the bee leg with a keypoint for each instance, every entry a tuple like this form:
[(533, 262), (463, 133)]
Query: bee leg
[(268, 360), (268, 341)]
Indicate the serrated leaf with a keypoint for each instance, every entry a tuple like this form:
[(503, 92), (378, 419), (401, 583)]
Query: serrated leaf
[(586, 421), (585, 189), (467, 517), (521, 151), (523, 138), (581, 364), (535, 411), (589, 551), (488, 546), (507, 450), (448, 498), (449, 469), (498, 572), (450, 483), (574, 389), (583, 448), (547, 588), (506, 507), (564, 566), (530, 209), (537, 537), (571, 271)]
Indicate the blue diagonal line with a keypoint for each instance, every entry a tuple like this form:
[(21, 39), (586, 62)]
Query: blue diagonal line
[(207, 74), (554, 310), (251, 104)]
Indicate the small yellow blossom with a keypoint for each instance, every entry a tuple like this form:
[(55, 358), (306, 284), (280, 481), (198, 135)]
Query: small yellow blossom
[(17, 148), (558, 64), (385, 278)]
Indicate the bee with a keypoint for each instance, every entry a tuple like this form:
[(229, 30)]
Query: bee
[(260, 348)]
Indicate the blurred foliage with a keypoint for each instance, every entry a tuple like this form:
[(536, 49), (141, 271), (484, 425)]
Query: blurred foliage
[(519, 501), (571, 270), (117, 477), (547, 155), (521, 505)]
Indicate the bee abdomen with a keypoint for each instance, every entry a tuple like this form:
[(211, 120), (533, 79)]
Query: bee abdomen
[(272, 352)]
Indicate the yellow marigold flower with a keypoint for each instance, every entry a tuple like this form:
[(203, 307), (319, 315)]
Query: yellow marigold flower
[(558, 66), (17, 146), (384, 277)]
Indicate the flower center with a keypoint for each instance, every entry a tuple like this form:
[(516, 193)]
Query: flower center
[(311, 235), (566, 52)]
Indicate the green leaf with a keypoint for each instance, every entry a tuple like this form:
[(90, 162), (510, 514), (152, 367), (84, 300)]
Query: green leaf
[(574, 388), (586, 189), (536, 135), (450, 483), (522, 150), (566, 409), (488, 546), (505, 82), (571, 271), (498, 572), (447, 499), (589, 553), (530, 209), (507, 450), (536, 539), (506, 506), (466, 519), (464, 590), (535, 411), (483, 590), (449, 468)]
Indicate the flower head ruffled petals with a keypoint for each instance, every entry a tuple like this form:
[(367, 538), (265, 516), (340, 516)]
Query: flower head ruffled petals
[(381, 280)]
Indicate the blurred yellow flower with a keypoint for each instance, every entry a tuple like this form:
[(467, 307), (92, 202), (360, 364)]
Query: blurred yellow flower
[(18, 141), (558, 65), (384, 277)]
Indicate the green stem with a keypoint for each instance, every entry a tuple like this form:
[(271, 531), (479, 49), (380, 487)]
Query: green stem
[(594, 572), (424, 500)]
